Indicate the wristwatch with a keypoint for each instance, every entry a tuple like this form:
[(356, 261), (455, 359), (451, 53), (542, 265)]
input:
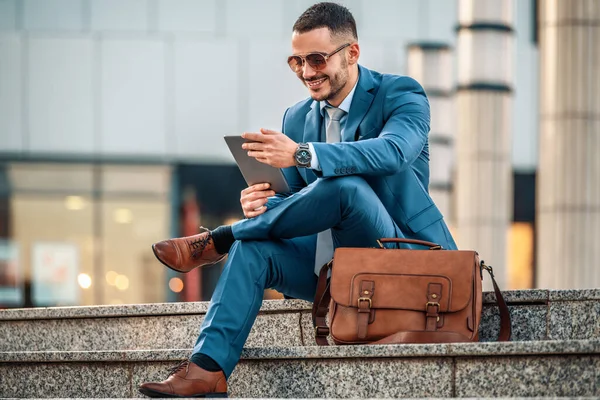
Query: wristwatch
[(303, 156)]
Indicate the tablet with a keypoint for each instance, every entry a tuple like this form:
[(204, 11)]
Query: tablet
[(253, 170)]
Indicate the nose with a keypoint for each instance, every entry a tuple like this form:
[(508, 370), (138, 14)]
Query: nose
[(308, 71)]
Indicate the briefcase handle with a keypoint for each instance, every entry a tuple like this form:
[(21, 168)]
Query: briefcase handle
[(431, 245)]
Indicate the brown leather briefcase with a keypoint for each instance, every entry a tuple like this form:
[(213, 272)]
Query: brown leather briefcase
[(380, 296)]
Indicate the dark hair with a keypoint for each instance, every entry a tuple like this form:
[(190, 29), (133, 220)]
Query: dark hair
[(334, 16)]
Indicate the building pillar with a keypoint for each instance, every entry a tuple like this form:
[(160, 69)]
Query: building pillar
[(431, 64), (568, 209), (483, 144)]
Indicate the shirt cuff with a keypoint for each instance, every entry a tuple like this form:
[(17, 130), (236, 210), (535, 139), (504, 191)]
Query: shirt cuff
[(314, 161)]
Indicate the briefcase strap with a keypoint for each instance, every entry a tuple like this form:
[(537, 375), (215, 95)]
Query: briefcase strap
[(323, 298), (321, 306), (505, 324)]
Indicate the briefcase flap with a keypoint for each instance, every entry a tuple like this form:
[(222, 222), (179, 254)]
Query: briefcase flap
[(402, 279)]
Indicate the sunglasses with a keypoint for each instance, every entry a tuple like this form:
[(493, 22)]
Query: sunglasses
[(317, 61)]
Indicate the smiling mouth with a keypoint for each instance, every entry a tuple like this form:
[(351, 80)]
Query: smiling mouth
[(313, 84)]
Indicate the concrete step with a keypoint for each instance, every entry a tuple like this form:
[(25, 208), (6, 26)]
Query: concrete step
[(557, 368), (536, 315)]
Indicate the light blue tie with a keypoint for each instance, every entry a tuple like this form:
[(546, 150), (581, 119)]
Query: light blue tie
[(333, 133)]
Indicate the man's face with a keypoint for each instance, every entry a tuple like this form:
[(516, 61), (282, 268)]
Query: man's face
[(328, 82)]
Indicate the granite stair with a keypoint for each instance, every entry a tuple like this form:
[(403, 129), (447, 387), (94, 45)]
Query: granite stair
[(106, 351), (535, 368)]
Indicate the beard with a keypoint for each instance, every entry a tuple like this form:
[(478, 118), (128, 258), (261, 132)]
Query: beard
[(336, 83)]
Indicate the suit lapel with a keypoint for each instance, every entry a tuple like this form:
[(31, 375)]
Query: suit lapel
[(312, 133), (313, 123), (360, 104)]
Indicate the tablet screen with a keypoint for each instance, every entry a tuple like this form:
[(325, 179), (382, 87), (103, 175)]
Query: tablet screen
[(254, 171)]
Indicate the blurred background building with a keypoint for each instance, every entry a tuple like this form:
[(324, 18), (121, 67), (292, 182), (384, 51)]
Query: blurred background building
[(112, 114)]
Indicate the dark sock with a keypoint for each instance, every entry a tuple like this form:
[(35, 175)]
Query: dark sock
[(223, 238), (204, 361)]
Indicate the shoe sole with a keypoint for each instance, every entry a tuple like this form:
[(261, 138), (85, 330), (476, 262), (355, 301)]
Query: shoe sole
[(177, 270), (154, 393)]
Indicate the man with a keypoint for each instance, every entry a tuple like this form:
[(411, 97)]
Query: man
[(356, 157)]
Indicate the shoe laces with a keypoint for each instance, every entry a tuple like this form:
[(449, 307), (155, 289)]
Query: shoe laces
[(183, 364), (198, 246)]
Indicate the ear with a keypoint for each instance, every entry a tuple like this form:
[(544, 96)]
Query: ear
[(353, 53)]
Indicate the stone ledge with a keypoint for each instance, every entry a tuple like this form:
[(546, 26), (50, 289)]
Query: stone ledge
[(538, 296), (513, 369), (285, 329), (426, 350), (543, 296), (495, 349), (136, 333), (280, 324), (574, 295), (137, 310)]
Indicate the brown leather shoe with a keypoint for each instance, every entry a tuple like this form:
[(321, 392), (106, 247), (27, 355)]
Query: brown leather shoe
[(188, 380), (186, 253)]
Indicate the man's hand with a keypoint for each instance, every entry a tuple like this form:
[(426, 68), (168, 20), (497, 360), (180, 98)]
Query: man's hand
[(271, 147), (254, 198)]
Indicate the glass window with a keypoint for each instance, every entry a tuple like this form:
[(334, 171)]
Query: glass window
[(80, 234), (131, 273), (54, 234)]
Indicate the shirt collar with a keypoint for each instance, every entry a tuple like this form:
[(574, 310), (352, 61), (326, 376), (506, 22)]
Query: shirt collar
[(345, 105)]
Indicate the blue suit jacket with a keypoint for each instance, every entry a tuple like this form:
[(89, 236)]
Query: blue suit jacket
[(385, 142)]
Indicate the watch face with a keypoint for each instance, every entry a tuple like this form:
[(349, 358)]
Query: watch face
[(303, 156)]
